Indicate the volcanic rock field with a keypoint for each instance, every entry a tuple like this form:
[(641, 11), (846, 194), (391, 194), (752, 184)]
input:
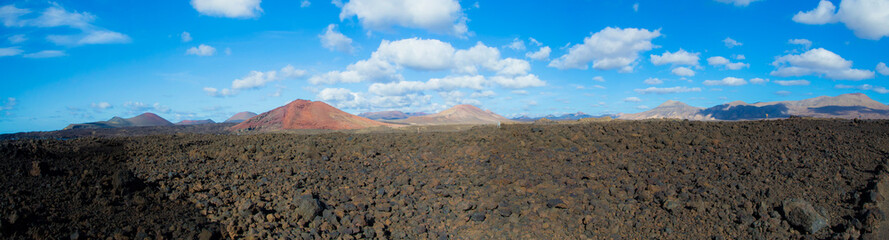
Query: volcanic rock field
[(780, 179)]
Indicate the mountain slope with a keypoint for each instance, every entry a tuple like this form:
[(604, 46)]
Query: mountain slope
[(143, 120), (240, 117), (304, 114), (853, 105), (460, 114), (668, 109)]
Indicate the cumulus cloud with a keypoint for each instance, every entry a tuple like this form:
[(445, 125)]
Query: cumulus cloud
[(611, 48), (653, 81), (731, 43), (201, 50), (866, 18), (729, 81), (186, 37), (346, 99), (437, 84), (18, 38), (758, 81), (101, 105), (524, 81), (881, 68), (255, 80), (517, 44), (10, 51), (228, 8), (680, 57), (421, 54), (864, 87), (438, 16), (818, 62), (139, 107), (632, 99), (10, 15), (668, 90), (802, 42), (483, 94), (792, 82), (541, 54), (739, 3), (683, 72), (335, 41), (45, 54), (724, 62)]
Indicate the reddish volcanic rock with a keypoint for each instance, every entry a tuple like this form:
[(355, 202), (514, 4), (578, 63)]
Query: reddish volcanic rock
[(304, 114), (148, 119), (240, 117)]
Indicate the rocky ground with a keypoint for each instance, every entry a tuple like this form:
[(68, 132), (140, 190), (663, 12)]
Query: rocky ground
[(787, 179)]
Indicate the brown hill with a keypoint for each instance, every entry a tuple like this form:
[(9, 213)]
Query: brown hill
[(460, 114), (304, 114), (240, 117), (143, 120), (669, 109), (195, 122)]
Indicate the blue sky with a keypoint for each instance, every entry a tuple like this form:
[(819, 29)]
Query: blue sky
[(79, 61)]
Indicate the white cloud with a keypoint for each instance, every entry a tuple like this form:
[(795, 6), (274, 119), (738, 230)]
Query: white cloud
[(517, 44), (103, 37), (598, 79), (45, 54), (10, 15), (228, 8), (255, 80), (866, 18), (642, 107), (520, 92), (666, 90), (740, 57), (683, 72), (336, 41), (680, 57), (881, 68), (139, 107), (632, 99), (878, 89), (721, 61), (421, 54), (9, 104), (635, 7), (10, 51), (56, 16), (782, 93), (611, 48), (436, 84), (792, 82), (305, 4), (653, 81), (818, 62), (483, 94), (803, 42), (535, 42), (525, 81), (186, 37), (540, 55), (758, 81), (822, 14), (438, 16), (346, 99), (101, 105), (18, 38), (201, 50), (730, 43), (228, 51), (739, 3), (729, 81), (291, 72)]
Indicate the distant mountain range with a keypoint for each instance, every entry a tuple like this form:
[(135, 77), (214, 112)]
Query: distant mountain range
[(853, 105), (563, 117), (460, 114), (143, 120), (390, 115), (195, 122), (240, 117)]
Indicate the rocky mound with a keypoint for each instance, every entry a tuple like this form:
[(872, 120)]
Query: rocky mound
[(853, 105), (240, 117), (669, 109), (195, 122), (304, 114), (143, 120), (460, 114)]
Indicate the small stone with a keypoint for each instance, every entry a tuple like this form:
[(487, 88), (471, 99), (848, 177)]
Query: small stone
[(270, 217), (465, 206), (671, 205), (35, 169), (504, 212), (307, 207), (205, 234), (556, 203), (801, 214), (245, 208), (477, 216)]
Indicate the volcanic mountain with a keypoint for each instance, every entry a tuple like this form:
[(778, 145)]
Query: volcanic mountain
[(669, 109), (195, 122), (240, 117), (304, 114), (852, 105), (143, 120), (390, 115), (460, 114)]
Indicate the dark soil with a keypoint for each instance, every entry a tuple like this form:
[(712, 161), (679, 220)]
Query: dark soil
[(599, 180)]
